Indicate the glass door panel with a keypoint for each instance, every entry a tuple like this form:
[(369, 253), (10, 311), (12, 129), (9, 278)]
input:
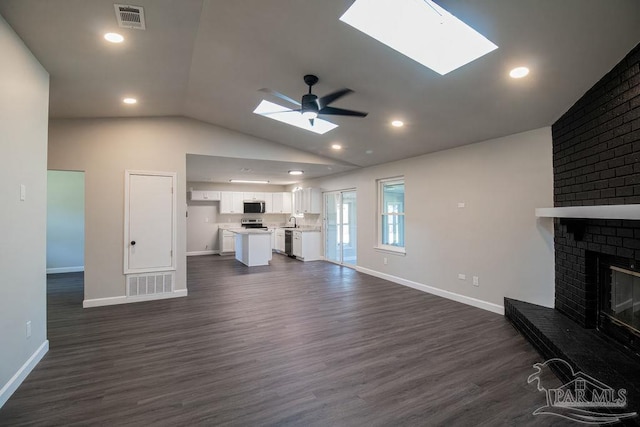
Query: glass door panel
[(349, 235), (340, 227), (332, 245)]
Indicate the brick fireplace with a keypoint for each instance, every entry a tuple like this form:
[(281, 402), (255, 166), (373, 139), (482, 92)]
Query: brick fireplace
[(596, 161), (596, 169)]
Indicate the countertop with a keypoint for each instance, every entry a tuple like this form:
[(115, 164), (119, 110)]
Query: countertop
[(248, 231)]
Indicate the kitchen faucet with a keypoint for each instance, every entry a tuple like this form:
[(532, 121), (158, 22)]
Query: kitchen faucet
[(295, 223)]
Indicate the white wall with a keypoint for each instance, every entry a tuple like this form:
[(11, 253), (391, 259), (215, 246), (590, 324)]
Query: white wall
[(24, 103), (105, 148), (65, 221), (495, 237)]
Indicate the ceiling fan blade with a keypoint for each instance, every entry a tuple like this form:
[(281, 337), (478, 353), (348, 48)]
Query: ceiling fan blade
[(328, 99), (332, 111), (279, 95)]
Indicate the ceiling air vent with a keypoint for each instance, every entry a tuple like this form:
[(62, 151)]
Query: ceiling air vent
[(130, 16)]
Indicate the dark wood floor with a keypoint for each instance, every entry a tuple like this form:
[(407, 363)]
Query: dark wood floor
[(289, 344)]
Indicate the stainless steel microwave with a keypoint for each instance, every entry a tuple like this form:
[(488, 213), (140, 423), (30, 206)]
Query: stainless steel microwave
[(253, 206)]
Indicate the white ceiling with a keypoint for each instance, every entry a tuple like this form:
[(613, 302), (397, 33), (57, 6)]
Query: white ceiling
[(206, 59)]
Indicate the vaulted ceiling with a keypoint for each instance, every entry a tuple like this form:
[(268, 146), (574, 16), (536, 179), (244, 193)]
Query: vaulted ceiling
[(207, 59)]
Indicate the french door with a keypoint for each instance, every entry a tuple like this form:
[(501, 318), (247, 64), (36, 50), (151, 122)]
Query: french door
[(340, 227)]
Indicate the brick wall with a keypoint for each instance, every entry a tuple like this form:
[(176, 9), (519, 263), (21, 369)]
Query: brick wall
[(596, 161)]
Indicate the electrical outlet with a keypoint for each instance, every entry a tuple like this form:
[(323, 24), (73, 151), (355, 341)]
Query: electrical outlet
[(384, 260), (29, 329), (23, 192), (476, 281), (461, 204), (206, 220), (462, 276)]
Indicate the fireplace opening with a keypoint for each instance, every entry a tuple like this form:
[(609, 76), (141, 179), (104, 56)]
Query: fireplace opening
[(619, 306)]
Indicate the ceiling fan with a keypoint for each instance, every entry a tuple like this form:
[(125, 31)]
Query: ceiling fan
[(311, 106)]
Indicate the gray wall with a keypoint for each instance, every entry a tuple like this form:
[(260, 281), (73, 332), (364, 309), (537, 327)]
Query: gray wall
[(105, 148), (496, 236), (65, 221), (24, 103)]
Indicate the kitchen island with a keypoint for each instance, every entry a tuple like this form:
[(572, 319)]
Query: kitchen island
[(253, 247)]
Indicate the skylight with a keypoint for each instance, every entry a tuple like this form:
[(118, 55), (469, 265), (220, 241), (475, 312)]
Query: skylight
[(294, 118), (421, 30)]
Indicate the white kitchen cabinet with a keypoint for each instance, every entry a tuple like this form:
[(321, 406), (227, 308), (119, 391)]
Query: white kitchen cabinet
[(227, 241), (306, 245), (257, 196), (204, 196), (281, 203), (268, 202), (231, 202), (273, 238), (308, 200), (279, 240)]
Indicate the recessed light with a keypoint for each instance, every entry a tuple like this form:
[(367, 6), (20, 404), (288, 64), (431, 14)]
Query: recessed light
[(296, 172), (519, 72), (397, 123), (421, 30), (113, 38), (130, 101), (293, 118), (248, 181), (336, 147), (369, 151)]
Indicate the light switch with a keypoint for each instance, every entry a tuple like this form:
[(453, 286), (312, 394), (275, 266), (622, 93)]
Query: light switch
[(23, 192)]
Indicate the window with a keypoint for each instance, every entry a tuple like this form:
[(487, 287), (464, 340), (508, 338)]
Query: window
[(391, 214)]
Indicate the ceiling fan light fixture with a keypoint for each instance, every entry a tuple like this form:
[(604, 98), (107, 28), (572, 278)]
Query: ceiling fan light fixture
[(309, 114), (285, 115)]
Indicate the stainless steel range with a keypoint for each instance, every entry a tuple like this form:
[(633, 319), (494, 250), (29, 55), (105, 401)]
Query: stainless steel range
[(253, 223)]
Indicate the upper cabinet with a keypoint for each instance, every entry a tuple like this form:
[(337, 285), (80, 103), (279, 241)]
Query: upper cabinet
[(308, 201), (257, 196), (231, 202), (280, 203), (204, 196)]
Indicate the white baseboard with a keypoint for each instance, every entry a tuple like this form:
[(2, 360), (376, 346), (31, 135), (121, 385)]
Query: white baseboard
[(12, 385), (100, 302), (489, 306), (197, 253), (65, 269)]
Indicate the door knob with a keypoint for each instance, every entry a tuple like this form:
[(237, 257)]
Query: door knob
[(133, 243)]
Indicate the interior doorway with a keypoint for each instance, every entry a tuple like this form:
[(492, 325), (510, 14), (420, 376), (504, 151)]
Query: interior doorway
[(341, 240), (65, 222)]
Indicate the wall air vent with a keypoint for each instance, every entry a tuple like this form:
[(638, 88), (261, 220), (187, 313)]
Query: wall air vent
[(149, 284), (130, 16)]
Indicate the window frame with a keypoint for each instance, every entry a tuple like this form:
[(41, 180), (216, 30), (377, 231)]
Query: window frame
[(383, 216)]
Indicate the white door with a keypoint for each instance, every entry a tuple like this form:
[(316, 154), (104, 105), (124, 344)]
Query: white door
[(150, 222)]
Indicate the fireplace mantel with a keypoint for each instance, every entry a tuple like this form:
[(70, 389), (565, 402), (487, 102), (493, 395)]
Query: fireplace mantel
[(592, 212)]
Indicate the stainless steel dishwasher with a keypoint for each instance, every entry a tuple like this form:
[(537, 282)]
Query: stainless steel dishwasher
[(288, 242)]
